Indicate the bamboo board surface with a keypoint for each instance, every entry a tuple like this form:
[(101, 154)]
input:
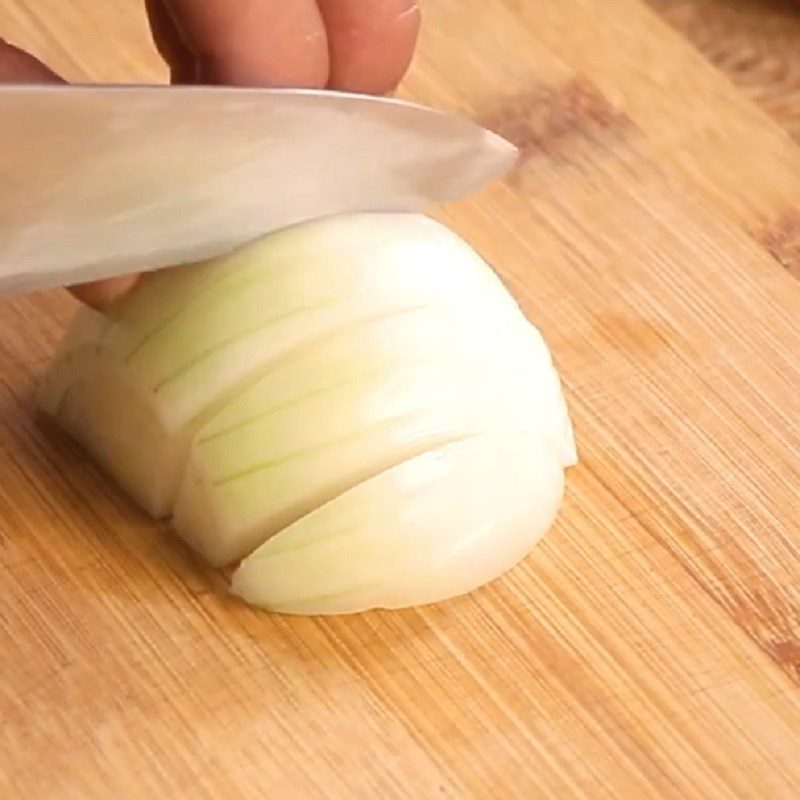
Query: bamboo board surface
[(755, 42), (650, 647)]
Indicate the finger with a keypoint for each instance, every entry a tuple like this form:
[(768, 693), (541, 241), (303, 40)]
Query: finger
[(17, 66), (260, 42), (101, 294), (183, 65), (371, 42)]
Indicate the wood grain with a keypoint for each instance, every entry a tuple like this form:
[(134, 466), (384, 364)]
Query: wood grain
[(756, 43), (649, 648)]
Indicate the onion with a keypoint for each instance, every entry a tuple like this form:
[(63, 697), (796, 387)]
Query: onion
[(355, 406)]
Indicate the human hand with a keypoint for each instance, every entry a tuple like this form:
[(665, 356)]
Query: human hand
[(349, 45)]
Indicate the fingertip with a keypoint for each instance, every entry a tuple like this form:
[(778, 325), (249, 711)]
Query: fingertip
[(258, 43), (231, 67), (99, 295), (17, 66), (371, 42), (168, 42)]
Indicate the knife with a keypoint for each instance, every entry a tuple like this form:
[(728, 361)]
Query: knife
[(96, 181)]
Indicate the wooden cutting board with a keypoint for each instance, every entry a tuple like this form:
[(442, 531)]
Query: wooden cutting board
[(649, 648), (755, 42)]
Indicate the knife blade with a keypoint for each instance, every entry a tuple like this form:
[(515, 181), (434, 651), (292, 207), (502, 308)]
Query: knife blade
[(96, 181)]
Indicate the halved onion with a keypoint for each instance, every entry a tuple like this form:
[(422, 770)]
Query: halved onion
[(356, 396)]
